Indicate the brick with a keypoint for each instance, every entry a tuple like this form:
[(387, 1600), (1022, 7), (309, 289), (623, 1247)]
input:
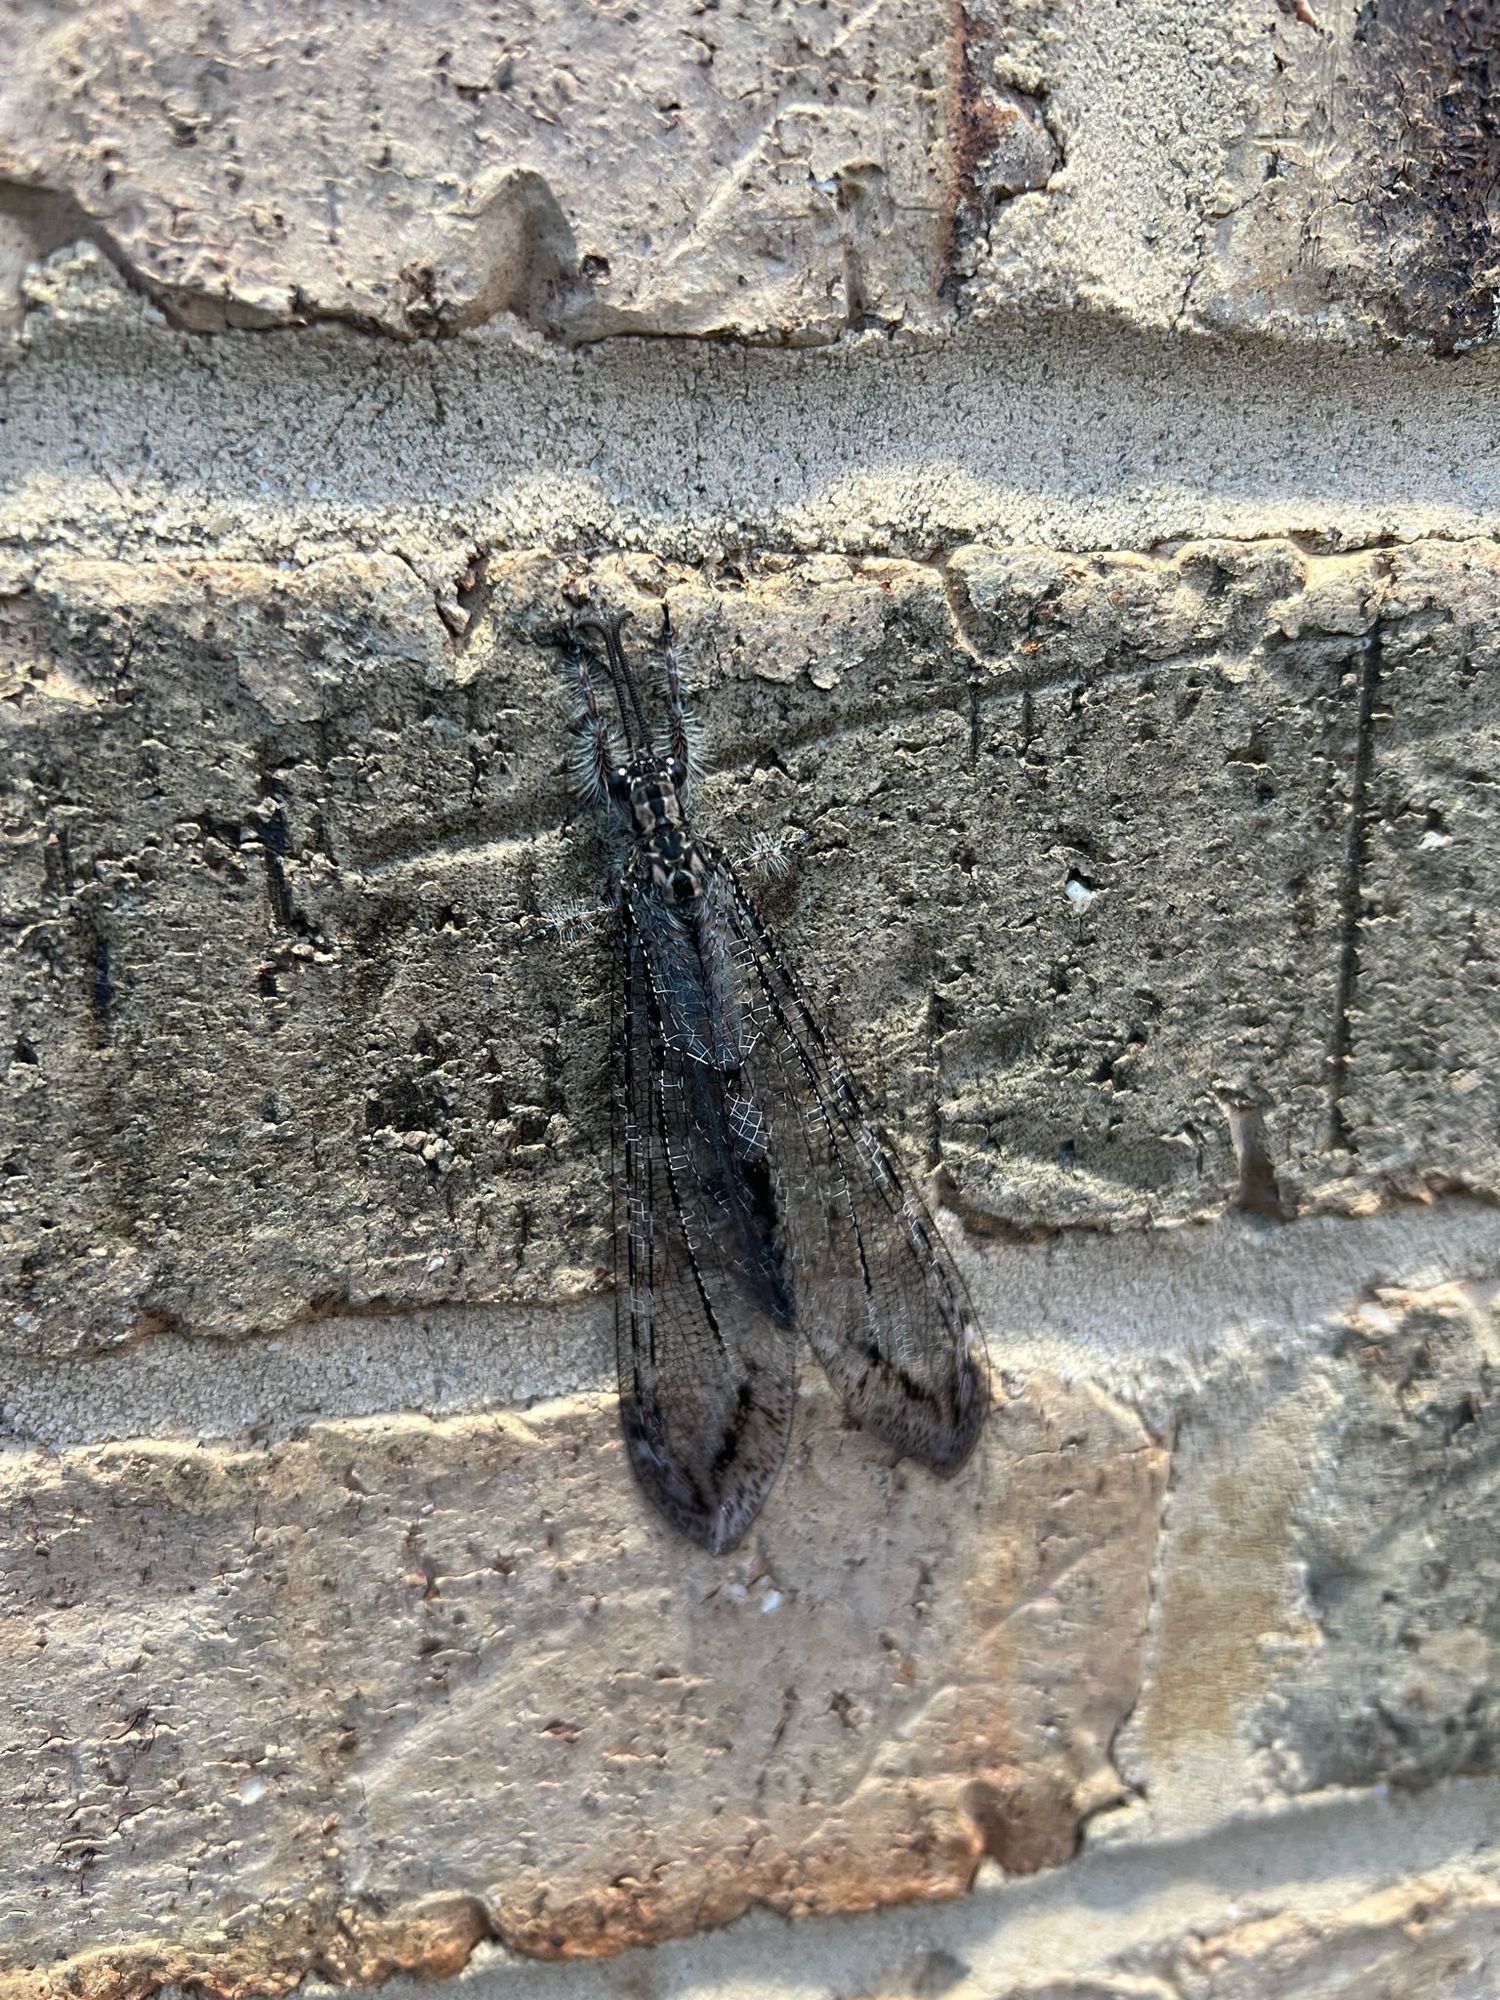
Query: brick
[(400, 1670)]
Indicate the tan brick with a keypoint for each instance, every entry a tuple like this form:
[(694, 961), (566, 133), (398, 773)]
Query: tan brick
[(404, 1662), (785, 176)]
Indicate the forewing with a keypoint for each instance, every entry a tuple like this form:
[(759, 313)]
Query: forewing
[(707, 1372), (879, 1299)]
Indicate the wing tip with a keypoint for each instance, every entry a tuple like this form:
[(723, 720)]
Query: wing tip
[(972, 1400), (712, 1520), (943, 1444)]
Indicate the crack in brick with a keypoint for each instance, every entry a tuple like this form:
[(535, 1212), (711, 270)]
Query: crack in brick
[(1352, 915)]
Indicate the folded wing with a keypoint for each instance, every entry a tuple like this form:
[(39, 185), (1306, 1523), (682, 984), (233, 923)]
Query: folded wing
[(879, 1299), (704, 1302)]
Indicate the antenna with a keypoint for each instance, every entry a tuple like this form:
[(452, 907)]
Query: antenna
[(627, 698)]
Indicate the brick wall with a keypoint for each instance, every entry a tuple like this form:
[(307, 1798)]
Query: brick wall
[(1065, 439)]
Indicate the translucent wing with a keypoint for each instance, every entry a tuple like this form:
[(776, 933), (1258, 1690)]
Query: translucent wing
[(879, 1299), (704, 1302)]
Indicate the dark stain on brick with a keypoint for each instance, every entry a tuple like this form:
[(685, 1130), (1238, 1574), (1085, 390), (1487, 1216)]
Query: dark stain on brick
[(987, 120), (971, 121), (97, 953)]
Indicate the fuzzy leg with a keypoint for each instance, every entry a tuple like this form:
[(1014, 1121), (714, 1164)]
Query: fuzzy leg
[(594, 753)]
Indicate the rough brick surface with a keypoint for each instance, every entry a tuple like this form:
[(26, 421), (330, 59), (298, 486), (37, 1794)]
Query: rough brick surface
[(783, 174), (454, 1661), (1400, 1562), (787, 173), (1144, 839)]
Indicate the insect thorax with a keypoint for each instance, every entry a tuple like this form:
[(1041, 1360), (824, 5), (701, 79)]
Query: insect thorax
[(646, 796)]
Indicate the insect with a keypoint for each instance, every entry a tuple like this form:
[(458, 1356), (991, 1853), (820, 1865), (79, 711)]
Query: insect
[(756, 1199)]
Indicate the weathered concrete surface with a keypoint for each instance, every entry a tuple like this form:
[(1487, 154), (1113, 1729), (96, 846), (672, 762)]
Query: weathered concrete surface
[(1399, 1561), (673, 169), (457, 1665), (282, 838), (778, 174)]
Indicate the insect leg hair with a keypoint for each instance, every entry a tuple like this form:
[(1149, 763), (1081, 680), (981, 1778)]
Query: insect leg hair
[(682, 728), (593, 756)]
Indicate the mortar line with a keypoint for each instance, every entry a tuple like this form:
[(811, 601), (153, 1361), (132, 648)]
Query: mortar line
[(279, 1373), (1263, 1864), (56, 539)]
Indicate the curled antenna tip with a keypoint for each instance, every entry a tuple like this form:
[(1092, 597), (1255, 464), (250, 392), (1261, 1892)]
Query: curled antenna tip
[(627, 696), (592, 619)]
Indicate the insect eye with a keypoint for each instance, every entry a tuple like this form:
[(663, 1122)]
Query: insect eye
[(677, 771), (619, 785)]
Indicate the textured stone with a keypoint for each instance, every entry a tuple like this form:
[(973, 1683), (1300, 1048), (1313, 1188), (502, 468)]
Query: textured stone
[(1302, 171), (1425, 993), (1294, 170), (1120, 824), (1397, 1544), (1358, 203), (1162, 787), (277, 1707), (780, 174), (242, 739)]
